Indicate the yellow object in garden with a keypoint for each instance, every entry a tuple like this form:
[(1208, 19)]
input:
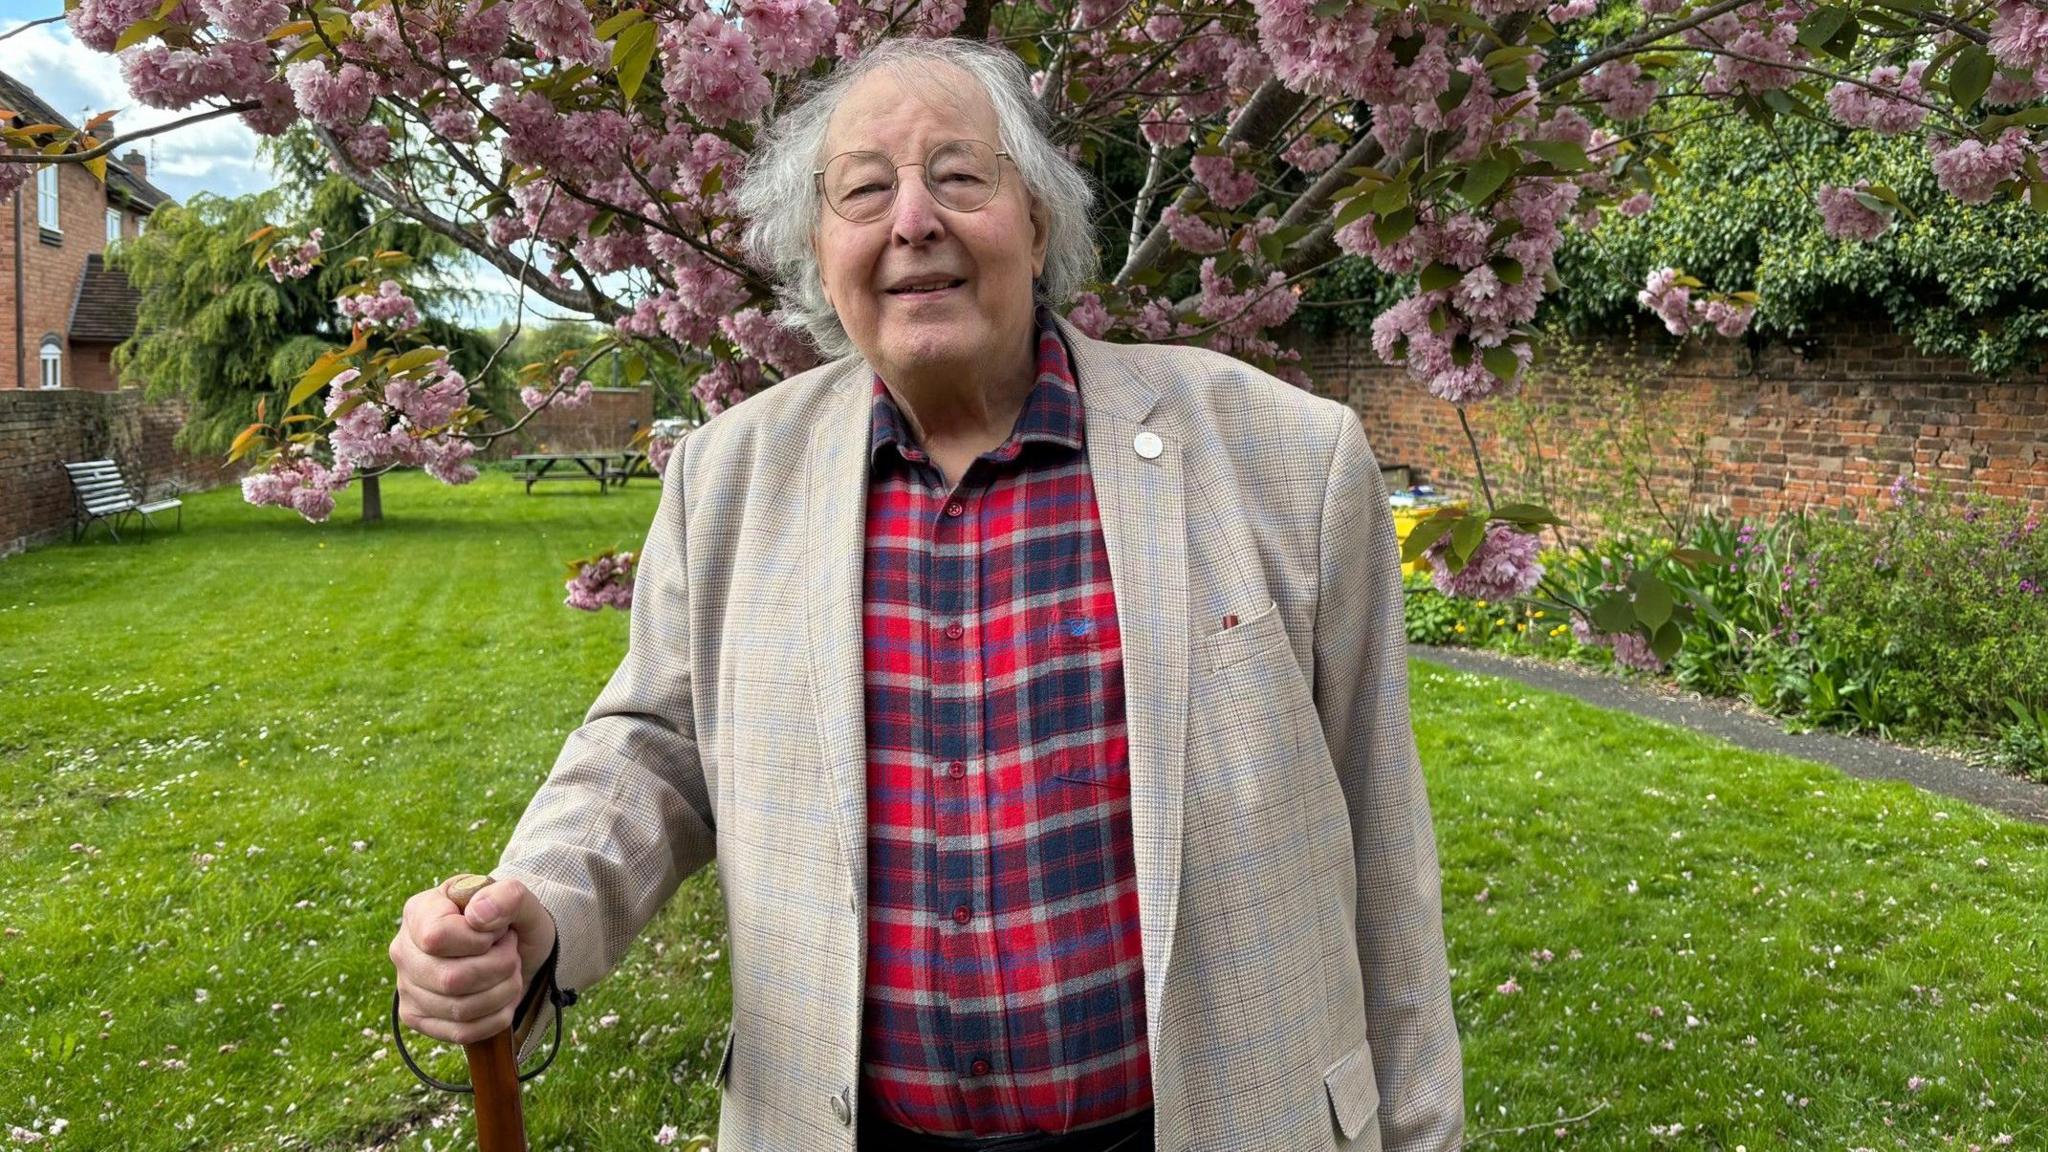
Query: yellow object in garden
[(1405, 520)]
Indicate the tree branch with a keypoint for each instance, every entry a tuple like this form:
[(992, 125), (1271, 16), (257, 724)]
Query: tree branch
[(140, 133)]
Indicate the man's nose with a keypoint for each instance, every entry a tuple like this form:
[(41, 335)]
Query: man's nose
[(914, 218)]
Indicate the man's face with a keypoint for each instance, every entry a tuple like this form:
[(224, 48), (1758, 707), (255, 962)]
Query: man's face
[(989, 256)]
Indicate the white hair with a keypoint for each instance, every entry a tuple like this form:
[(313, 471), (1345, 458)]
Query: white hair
[(782, 205)]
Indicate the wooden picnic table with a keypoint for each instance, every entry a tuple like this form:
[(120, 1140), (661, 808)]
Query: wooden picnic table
[(608, 468)]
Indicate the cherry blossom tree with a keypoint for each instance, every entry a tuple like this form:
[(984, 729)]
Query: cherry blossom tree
[(587, 149)]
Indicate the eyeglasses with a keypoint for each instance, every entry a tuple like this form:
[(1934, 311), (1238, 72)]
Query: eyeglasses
[(963, 175)]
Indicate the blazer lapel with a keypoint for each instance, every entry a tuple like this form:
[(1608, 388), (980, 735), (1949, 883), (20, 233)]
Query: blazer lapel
[(835, 515), (1144, 526)]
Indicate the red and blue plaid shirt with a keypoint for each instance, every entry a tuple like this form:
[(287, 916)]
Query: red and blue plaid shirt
[(1005, 980)]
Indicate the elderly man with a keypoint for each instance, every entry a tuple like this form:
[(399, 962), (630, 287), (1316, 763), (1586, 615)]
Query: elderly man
[(1043, 702)]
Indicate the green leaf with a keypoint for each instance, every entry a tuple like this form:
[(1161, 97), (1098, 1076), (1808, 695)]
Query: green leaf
[(324, 369), (1439, 276), (1501, 361), (1425, 534), (1820, 26), (1666, 641), (1526, 514), (1694, 557), (137, 32), (1078, 90), (1391, 227), (1613, 614), (1484, 178), (415, 359), (618, 23), (1969, 76), (631, 54), (1354, 209), (1455, 90), (1506, 269), (1653, 603), (1466, 535), (1562, 154)]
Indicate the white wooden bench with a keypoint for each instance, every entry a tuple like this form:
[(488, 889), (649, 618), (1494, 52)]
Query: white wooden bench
[(102, 494)]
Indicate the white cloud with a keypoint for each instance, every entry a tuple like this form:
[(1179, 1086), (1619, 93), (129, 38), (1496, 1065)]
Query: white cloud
[(216, 156)]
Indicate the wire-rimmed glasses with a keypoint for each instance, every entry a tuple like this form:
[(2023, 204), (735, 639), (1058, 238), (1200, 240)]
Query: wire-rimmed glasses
[(963, 175)]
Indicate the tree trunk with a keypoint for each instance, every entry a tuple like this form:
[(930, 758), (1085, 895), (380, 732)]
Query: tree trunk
[(373, 500)]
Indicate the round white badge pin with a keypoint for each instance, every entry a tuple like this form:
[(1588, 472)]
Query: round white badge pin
[(1147, 445)]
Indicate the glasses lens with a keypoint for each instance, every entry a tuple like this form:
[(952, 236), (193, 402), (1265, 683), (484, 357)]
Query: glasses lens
[(860, 185), (962, 174)]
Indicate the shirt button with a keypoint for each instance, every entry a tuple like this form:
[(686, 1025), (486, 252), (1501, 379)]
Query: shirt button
[(979, 1068), (962, 914), (954, 508), (956, 769), (954, 631)]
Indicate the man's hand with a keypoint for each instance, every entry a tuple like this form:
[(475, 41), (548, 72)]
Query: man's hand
[(462, 971)]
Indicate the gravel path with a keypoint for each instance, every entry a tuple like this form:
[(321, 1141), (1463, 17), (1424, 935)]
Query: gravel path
[(1738, 724)]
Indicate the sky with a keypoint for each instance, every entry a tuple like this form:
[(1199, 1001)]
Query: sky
[(218, 156)]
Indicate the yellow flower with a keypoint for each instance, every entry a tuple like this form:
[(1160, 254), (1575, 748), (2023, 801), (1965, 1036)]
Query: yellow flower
[(1539, 613), (1459, 628), (1482, 603), (1521, 627), (1501, 623)]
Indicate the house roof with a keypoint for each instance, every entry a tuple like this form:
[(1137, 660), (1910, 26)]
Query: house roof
[(122, 181), (104, 310)]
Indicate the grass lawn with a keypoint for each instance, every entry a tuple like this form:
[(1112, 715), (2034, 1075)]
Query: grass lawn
[(227, 756)]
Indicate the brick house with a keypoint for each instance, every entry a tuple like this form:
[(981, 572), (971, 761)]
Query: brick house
[(62, 309)]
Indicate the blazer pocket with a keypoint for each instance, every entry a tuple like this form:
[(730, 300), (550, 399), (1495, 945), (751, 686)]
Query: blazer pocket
[(1227, 646), (1354, 1091)]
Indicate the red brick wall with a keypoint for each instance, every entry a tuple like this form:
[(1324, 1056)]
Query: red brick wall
[(40, 431), (1779, 430), (604, 423), (51, 271), (91, 368)]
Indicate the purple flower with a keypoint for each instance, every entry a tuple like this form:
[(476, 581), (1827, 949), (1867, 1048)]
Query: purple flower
[(1503, 567)]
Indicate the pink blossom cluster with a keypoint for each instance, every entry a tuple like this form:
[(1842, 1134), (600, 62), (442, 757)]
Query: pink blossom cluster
[(297, 481), (1089, 315), (564, 397), (1620, 88), (1971, 171), (1630, 649), (789, 34), (1504, 565), (1752, 36), (763, 336), (1168, 129), (1673, 303), (1859, 106), (1570, 10), (659, 449), (387, 307), (1244, 313), (605, 582), (559, 30), (703, 295), (245, 19), (1404, 335), (1227, 183), (2019, 35), (410, 427), (300, 262), (709, 67), (1191, 232), (1845, 217), (1319, 55), (725, 384), (337, 98), (237, 70), (1310, 154)]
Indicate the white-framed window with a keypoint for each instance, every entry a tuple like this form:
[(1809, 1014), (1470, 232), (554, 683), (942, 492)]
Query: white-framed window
[(113, 225), (53, 362), (46, 197)]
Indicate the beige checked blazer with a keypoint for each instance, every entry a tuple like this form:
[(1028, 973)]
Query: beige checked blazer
[(1296, 985)]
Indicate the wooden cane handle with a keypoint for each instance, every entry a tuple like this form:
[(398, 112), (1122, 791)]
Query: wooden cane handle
[(493, 1065)]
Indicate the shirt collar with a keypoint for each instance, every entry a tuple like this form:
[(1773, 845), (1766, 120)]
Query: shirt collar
[(1052, 412)]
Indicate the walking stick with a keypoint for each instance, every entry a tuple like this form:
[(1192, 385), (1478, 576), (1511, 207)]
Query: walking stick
[(494, 1075), (493, 1065)]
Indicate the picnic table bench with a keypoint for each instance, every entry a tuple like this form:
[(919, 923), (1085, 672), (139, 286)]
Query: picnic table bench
[(609, 468), (101, 494)]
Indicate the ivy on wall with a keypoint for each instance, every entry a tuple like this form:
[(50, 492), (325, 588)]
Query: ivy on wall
[(1962, 281)]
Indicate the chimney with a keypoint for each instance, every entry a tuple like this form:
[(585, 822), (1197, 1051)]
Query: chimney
[(133, 161)]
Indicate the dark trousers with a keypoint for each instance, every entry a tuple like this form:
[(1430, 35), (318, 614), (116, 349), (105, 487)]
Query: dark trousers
[(1131, 1134)]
